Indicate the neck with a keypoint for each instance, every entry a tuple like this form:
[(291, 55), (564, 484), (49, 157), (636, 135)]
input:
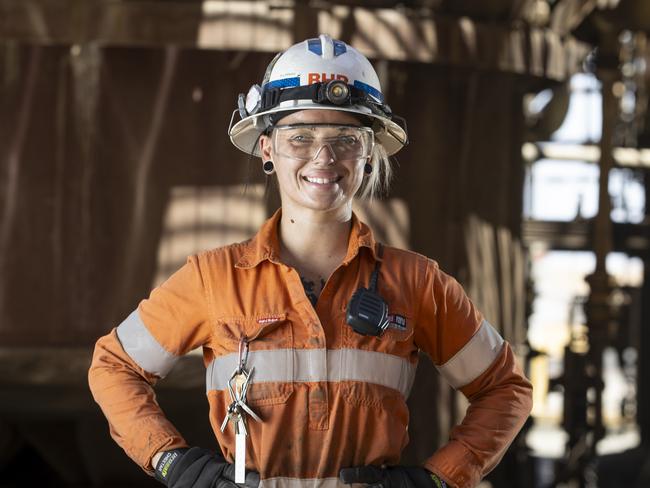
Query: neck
[(315, 243)]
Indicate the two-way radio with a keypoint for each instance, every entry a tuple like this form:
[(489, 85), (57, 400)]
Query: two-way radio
[(367, 311)]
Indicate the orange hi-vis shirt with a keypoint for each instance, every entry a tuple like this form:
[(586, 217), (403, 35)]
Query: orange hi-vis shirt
[(328, 397)]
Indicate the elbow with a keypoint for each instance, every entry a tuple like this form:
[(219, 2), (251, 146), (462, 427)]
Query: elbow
[(521, 398), (522, 390), (525, 398), (98, 372), (110, 368), (528, 397)]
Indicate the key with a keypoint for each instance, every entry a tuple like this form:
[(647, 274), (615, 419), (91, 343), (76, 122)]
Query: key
[(237, 410), (232, 415), (238, 388)]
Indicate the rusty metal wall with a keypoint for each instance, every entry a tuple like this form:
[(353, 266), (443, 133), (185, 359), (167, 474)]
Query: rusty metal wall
[(91, 144)]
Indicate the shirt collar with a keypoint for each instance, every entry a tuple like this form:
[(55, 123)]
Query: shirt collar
[(265, 245)]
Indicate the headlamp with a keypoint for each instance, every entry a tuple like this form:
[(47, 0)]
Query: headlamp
[(337, 92)]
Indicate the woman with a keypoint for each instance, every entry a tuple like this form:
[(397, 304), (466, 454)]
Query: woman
[(311, 330)]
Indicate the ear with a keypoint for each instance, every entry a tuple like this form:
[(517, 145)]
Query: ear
[(266, 147)]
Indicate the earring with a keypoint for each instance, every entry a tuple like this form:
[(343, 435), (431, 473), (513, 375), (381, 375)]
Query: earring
[(367, 168), (268, 167)]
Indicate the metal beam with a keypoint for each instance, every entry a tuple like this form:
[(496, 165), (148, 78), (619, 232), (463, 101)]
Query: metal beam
[(625, 157), (383, 33), (632, 239)]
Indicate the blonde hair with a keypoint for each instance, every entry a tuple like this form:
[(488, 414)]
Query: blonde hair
[(378, 182)]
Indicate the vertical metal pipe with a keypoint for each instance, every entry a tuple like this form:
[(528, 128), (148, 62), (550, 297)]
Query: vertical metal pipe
[(603, 224), (643, 378), (598, 306)]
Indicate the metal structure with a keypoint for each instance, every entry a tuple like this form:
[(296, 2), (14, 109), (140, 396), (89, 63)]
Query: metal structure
[(582, 379)]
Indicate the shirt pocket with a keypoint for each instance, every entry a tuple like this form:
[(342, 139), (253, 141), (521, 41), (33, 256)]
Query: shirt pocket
[(396, 340), (378, 370), (399, 334), (269, 360)]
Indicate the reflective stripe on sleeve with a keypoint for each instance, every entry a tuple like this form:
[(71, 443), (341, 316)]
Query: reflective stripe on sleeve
[(312, 365), (474, 358), (143, 348)]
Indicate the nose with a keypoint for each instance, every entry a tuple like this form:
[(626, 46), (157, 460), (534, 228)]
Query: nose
[(325, 154)]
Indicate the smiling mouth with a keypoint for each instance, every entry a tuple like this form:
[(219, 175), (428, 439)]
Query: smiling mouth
[(322, 181)]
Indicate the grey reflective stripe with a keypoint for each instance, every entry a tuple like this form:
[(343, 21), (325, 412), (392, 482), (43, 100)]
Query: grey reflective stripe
[(302, 365), (273, 365), (474, 358), (371, 367), (143, 348), (302, 483)]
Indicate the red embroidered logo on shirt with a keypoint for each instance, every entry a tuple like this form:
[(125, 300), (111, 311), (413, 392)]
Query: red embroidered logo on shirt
[(268, 320)]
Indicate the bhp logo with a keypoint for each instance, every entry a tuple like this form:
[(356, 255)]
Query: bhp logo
[(322, 77)]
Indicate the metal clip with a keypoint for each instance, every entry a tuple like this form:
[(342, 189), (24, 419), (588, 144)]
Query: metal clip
[(243, 355)]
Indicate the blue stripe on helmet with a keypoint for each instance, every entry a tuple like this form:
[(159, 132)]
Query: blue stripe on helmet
[(369, 90), (283, 83), (314, 46), (339, 48)]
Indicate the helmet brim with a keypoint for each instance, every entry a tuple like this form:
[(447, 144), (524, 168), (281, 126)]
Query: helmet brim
[(245, 133)]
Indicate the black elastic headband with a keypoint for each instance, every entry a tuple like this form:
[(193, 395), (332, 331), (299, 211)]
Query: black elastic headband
[(321, 93)]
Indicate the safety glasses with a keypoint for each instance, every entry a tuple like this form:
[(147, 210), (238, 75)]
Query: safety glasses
[(305, 141)]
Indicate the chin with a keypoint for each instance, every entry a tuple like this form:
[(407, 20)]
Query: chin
[(326, 205), (323, 207)]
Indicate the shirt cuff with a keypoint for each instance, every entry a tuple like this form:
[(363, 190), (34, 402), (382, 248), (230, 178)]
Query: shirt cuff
[(156, 444), (455, 465)]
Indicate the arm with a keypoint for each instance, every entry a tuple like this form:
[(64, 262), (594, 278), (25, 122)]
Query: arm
[(124, 391), (474, 359), (130, 359)]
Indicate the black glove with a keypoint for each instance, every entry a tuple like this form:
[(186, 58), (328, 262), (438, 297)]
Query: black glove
[(391, 477), (199, 468)]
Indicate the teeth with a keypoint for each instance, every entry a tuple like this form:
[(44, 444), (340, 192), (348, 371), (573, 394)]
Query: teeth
[(321, 181)]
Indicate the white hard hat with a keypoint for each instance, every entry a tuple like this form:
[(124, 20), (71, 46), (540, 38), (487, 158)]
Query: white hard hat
[(320, 73)]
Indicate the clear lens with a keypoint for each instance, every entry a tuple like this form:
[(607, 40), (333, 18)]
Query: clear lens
[(305, 142)]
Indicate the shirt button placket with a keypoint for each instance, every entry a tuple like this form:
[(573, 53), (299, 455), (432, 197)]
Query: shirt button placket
[(317, 401)]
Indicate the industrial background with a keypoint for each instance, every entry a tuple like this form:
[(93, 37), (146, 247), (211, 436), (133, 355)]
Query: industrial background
[(525, 178)]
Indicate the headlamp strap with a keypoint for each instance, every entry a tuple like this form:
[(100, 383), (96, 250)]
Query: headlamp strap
[(317, 92), (270, 98)]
